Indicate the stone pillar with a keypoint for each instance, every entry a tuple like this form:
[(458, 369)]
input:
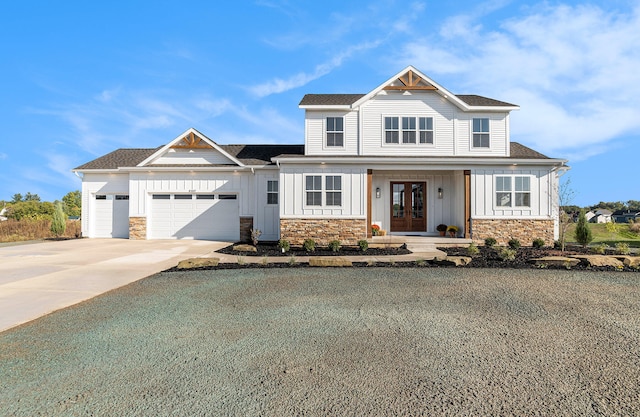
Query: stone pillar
[(137, 228), (503, 230), (246, 225), (323, 231)]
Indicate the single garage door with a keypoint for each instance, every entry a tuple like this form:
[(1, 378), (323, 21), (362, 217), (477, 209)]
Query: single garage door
[(111, 215), (195, 216)]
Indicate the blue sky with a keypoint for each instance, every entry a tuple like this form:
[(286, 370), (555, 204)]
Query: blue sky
[(80, 79)]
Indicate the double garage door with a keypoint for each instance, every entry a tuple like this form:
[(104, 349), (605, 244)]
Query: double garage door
[(194, 216)]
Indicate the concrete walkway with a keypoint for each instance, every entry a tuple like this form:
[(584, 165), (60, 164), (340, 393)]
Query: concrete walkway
[(40, 278)]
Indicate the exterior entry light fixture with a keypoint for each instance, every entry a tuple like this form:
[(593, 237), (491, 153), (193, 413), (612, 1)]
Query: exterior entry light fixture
[(439, 192), (378, 192)]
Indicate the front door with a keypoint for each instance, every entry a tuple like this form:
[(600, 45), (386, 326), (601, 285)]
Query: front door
[(407, 207)]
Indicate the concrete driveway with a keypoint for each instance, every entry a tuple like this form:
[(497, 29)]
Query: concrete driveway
[(39, 278)]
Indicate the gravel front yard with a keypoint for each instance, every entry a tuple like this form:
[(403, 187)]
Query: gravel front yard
[(354, 341)]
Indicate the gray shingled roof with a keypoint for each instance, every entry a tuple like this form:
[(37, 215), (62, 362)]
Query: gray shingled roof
[(247, 154), (520, 151), (475, 100), (349, 99), (330, 99)]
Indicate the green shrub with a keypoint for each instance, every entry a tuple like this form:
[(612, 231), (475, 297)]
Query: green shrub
[(59, 221), (583, 232), (309, 245), (622, 248), (334, 245), (364, 245), (600, 249), (491, 242), (284, 245), (514, 244), (538, 243), (506, 254), (473, 249)]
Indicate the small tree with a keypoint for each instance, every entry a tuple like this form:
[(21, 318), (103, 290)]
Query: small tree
[(565, 195), (583, 232), (59, 221)]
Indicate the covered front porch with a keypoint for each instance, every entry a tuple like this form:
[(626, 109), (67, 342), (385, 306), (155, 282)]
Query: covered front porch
[(413, 202)]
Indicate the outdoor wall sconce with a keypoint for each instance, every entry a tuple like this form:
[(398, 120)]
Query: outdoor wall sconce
[(439, 192), (378, 192)]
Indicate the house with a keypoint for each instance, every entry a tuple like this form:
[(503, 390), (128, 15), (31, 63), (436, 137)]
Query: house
[(624, 216), (406, 156), (601, 216)]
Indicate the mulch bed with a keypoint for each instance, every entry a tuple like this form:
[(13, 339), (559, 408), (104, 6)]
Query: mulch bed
[(271, 249), (487, 257)]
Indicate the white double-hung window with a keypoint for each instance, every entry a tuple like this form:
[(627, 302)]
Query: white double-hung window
[(408, 130), (335, 132), (481, 138), (513, 191), (323, 190)]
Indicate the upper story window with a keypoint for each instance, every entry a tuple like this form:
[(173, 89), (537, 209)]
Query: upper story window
[(332, 190), (513, 191), (408, 130), (391, 130), (412, 130), (426, 130), (335, 131), (272, 191), (481, 132)]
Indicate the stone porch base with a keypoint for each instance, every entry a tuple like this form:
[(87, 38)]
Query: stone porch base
[(323, 231), (503, 230)]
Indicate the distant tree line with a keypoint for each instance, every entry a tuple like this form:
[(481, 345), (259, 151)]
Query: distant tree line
[(631, 205), (31, 207)]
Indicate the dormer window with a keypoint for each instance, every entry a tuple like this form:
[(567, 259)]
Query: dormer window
[(335, 131), (426, 130), (481, 132), (408, 130)]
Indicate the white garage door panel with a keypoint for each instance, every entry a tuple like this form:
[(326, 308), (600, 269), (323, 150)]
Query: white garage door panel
[(208, 219), (111, 216)]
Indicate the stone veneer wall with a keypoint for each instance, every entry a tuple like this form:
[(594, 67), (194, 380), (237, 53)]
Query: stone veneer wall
[(137, 228), (504, 230), (246, 225), (323, 231)]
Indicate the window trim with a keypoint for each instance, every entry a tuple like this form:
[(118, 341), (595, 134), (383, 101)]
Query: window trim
[(275, 192), (323, 191), (480, 132), (512, 192), (327, 132), (406, 140)]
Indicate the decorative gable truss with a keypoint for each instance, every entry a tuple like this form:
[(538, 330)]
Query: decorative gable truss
[(191, 148), (410, 81)]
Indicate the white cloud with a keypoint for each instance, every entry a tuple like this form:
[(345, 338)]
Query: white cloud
[(3, 155), (574, 70), (279, 85)]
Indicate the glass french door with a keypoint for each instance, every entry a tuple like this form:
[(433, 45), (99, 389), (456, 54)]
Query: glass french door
[(408, 207)]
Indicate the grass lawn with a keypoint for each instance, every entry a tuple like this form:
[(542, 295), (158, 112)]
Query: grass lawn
[(602, 235)]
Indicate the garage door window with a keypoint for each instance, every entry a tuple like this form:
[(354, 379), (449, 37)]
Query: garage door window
[(183, 197), (227, 197), (204, 197), (101, 197), (161, 196), (122, 197)]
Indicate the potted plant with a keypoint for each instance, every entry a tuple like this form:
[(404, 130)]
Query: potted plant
[(375, 229), (453, 230), (442, 228)]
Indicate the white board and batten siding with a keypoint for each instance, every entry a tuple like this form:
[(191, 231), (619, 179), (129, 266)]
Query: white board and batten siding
[(354, 192), (483, 186), (143, 185), (316, 129), (448, 210)]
